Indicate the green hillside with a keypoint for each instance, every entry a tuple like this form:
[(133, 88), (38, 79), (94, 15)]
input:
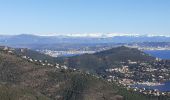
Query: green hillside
[(33, 54), (8, 92)]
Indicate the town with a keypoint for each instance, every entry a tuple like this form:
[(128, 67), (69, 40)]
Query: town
[(72, 51), (144, 73)]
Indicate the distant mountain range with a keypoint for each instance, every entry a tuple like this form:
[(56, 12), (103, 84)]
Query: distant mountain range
[(74, 41), (35, 39)]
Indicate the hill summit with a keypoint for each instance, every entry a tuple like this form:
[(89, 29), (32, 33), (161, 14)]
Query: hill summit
[(105, 59)]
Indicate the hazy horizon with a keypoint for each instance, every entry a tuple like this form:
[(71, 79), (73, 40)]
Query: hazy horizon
[(88, 34)]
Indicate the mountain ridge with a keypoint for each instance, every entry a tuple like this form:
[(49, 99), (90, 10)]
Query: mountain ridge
[(27, 39), (95, 35)]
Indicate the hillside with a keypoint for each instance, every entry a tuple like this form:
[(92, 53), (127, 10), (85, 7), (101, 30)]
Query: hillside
[(123, 54), (54, 83), (105, 59), (26, 79), (92, 62), (8, 92), (33, 54)]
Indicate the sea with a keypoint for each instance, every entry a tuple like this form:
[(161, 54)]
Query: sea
[(163, 54), (164, 87)]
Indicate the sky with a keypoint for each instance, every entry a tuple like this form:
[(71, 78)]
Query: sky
[(85, 16)]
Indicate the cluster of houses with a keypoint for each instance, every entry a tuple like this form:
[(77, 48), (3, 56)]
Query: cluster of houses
[(54, 53), (7, 49), (45, 63), (145, 91), (142, 73), (129, 85), (123, 69)]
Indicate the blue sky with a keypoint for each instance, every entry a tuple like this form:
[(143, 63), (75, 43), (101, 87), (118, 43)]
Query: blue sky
[(85, 16)]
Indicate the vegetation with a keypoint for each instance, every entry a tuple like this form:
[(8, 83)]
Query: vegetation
[(105, 59), (56, 84), (25, 80), (34, 55), (8, 92)]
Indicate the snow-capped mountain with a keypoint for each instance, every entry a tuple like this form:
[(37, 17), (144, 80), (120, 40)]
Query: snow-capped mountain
[(91, 38), (91, 35), (101, 35)]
